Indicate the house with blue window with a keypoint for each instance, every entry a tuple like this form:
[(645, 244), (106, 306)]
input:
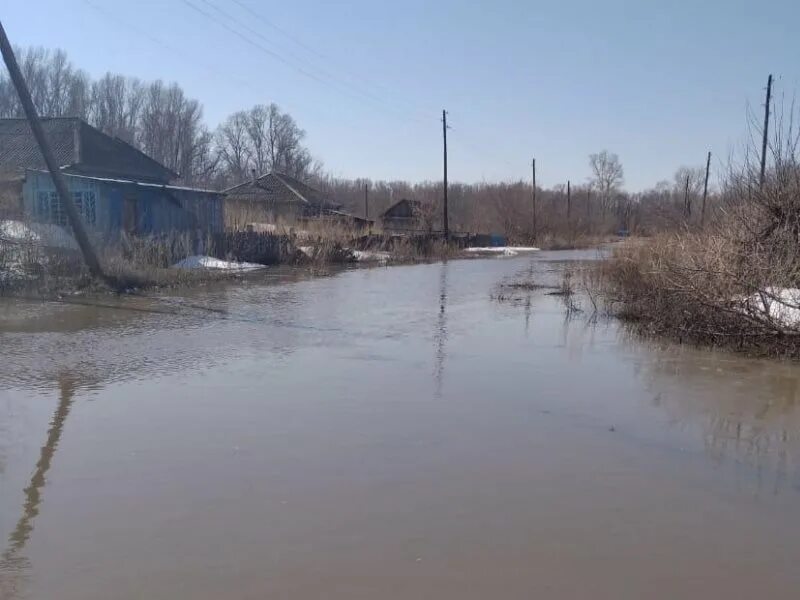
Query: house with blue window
[(115, 187)]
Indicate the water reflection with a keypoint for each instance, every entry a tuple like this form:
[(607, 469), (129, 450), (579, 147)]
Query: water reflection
[(440, 336), (443, 481), (13, 563), (745, 409), (743, 412)]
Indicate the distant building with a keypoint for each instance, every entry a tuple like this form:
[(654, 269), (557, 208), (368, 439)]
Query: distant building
[(403, 216), (116, 188), (278, 199)]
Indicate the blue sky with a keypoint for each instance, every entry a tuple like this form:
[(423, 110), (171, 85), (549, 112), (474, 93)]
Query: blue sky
[(659, 83)]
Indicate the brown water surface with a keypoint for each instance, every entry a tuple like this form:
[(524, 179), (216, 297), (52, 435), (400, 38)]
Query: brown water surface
[(386, 433)]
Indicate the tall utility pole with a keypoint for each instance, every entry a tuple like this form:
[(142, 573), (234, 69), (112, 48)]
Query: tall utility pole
[(366, 202), (44, 146), (705, 191), (569, 200), (444, 138), (687, 206), (588, 203), (533, 197), (766, 133)]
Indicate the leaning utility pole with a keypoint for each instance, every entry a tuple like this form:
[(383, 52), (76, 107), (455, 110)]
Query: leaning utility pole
[(444, 137), (533, 197), (766, 133), (44, 146), (705, 191)]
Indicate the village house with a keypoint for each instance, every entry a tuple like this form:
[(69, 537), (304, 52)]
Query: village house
[(277, 199), (403, 216), (115, 187)]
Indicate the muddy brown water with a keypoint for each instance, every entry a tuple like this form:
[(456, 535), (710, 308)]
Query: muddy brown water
[(387, 433)]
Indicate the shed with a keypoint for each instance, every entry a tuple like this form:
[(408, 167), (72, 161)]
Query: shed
[(404, 215)]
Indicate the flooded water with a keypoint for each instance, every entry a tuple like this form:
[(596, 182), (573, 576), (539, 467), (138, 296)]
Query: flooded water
[(386, 433)]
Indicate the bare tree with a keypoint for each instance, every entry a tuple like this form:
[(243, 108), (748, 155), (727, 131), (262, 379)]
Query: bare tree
[(607, 177), (233, 146), (263, 139), (116, 105), (171, 129), (57, 88), (277, 142), (687, 186)]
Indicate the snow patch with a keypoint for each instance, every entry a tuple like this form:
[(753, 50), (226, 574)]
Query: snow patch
[(503, 250), (782, 305), (42, 234), (307, 250), (364, 256), (209, 262)]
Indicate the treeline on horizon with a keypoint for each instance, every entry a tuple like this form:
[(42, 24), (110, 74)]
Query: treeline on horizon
[(159, 119)]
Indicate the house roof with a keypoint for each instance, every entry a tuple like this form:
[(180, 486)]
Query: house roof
[(18, 147), (77, 146), (404, 208), (280, 189)]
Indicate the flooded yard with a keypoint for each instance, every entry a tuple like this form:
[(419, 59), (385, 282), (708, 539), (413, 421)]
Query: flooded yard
[(386, 433)]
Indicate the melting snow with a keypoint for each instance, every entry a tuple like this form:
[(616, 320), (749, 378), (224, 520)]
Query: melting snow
[(209, 262), (780, 304), (43, 234), (364, 256), (503, 250)]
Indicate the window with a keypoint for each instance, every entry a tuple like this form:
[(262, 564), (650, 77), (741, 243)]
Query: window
[(89, 208), (57, 214), (43, 205), (50, 209)]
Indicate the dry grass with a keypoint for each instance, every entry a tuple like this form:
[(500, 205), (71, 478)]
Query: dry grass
[(575, 240), (694, 286), (724, 285)]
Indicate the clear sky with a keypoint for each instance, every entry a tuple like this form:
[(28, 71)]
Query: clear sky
[(657, 82)]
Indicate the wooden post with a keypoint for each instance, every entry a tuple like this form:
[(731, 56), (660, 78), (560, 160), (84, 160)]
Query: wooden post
[(366, 202), (705, 191), (444, 139), (533, 197), (44, 146), (766, 133)]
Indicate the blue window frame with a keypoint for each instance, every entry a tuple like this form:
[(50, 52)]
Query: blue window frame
[(89, 208), (49, 207)]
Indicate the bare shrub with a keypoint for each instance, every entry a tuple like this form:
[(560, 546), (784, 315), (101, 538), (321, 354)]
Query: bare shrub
[(733, 284)]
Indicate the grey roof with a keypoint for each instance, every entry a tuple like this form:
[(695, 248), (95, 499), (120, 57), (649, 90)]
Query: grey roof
[(78, 146), (403, 209), (18, 148), (278, 188)]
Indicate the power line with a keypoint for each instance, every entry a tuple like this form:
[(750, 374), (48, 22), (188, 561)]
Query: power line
[(246, 39), (301, 44), (139, 31), (216, 71), (258, 34), (280, 30), (331, 82)]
